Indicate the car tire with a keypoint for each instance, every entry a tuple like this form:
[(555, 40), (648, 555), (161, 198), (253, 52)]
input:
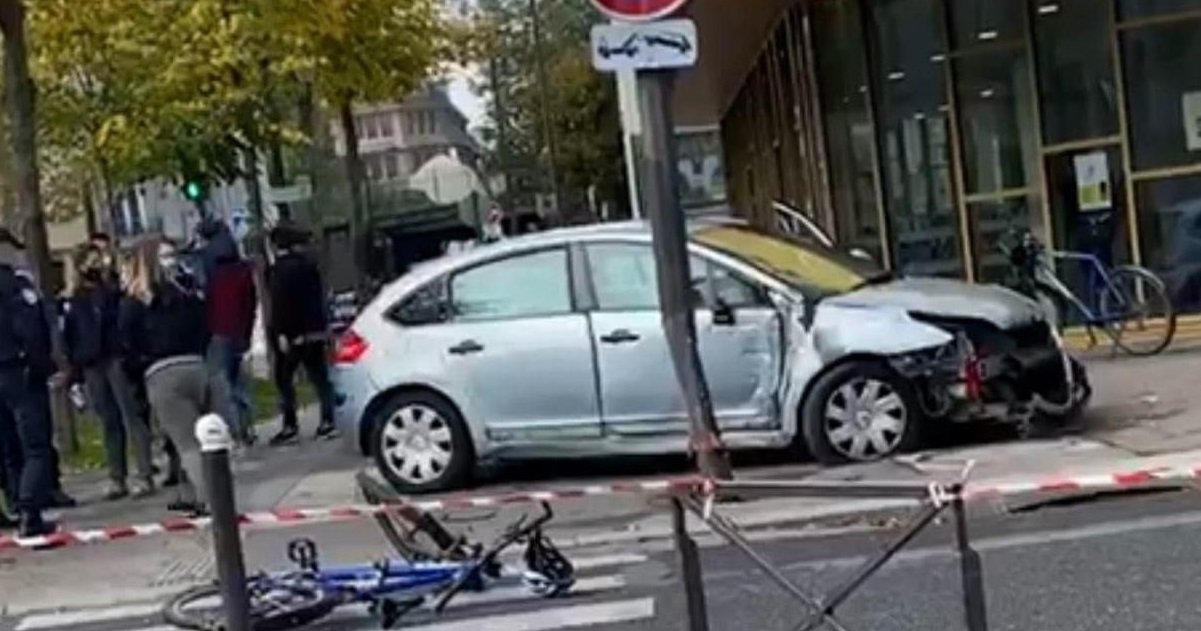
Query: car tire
[(892, 425), (421, 444)]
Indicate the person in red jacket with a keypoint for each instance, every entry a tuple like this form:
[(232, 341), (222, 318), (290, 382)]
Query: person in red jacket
[(230, 301)]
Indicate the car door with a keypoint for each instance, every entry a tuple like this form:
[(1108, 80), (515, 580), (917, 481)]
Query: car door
[(639, 391), (519, 349)]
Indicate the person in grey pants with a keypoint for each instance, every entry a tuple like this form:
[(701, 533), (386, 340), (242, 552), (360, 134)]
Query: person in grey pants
[(164, 320), (91, 335)]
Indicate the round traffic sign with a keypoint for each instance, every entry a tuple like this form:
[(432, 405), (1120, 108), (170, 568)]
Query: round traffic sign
[(638, 10)]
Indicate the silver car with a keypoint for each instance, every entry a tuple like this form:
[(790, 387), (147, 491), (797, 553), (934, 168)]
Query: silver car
[(551, 345)]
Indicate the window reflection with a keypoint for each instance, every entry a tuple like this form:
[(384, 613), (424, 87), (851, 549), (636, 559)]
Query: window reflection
[(990, 224), (978, 22), (1163, 84), (1075, 61), (842, 77), (1170, 235), (913, 127), (996, 105), (1134, 9)]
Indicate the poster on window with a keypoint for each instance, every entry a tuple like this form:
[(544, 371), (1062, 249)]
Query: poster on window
[(1190, 103), (1093, 191)]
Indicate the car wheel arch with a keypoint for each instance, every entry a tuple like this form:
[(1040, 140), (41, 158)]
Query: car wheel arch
[(807, 391), (367, 427)]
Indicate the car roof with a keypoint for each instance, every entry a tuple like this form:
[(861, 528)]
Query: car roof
[(632, 230)]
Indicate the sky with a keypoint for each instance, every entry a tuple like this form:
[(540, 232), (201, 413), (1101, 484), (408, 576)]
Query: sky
[(461, 94)]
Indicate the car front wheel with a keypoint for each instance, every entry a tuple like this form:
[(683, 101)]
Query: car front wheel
[(421, 444), (858, 412)]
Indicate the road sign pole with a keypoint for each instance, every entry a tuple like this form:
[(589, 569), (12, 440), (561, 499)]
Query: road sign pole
[(677, 305)]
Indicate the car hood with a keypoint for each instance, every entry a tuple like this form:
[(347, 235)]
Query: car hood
[(952, 298)]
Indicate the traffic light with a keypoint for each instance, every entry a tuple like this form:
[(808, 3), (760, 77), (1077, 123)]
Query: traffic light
[(195, 190)]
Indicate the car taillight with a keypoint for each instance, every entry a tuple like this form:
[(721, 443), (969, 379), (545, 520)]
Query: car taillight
[(973, 377), (350, 349)]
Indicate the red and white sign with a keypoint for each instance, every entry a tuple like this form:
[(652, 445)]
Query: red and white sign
[(638, 10)]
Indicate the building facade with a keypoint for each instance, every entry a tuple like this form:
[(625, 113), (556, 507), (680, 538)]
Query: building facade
[(924, 130)]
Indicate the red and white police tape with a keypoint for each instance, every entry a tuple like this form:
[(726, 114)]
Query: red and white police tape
[(1064, 484), (297, 515)]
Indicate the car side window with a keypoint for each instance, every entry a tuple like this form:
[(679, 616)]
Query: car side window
[(623, 277), (732, 290), (425, 306), (521, 286)]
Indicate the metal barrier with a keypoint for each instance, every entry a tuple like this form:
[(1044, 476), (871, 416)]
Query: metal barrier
[(934, 498)]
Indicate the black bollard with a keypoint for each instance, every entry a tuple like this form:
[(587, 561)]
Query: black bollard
[(971, 572), (697, 617), (215, 443)]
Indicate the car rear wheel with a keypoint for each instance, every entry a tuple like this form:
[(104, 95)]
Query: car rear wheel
[(421, 444), (858, 412)]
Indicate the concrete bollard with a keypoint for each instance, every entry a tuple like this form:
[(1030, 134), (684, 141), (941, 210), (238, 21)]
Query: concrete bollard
[(215, 442)]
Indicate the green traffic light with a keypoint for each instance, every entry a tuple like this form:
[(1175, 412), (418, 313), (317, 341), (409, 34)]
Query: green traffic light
[(193, 190)]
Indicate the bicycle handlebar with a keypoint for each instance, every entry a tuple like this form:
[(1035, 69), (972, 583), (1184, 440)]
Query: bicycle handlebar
[(514, 533)]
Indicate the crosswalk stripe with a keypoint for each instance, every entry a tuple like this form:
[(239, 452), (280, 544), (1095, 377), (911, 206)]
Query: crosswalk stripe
[(592, 563), (516, 593), (80, 616), (552, 619)]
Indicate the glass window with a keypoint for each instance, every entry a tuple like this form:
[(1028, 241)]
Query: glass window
[(624, 277), (1169, 211), (732, 290), (914, 136), (1088, 210), (811, 268), (996, 114), (1163, 87), (517, 287), (977, 22), (989, 222), (1075, 65), (427, 305), (1134, 9), (385, 125), (391, 169), (842, 81)]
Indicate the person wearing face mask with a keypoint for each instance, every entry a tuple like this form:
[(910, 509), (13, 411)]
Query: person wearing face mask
[(165, 327), (26, 365), (94, 349)]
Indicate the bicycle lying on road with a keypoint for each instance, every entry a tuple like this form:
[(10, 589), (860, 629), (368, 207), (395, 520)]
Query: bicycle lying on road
[(391, 588), (1128, 303)]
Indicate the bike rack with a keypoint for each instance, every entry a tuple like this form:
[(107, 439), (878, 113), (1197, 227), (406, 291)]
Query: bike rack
[(821, 609)]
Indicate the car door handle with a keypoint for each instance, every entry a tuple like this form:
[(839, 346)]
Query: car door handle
[(620, 336), (466, 347)]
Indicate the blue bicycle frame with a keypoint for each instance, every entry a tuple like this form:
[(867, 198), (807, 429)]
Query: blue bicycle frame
[(1099, 280)]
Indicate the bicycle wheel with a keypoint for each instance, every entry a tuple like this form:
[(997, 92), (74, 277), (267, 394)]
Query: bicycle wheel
[(1138, 314), (275, 605)]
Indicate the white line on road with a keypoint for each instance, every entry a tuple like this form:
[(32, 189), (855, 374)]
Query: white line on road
[(557, 618), (582, 587), (81, 616), (592, 563)]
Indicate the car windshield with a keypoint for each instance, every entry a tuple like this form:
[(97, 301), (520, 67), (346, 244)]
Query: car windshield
[(809, 267)]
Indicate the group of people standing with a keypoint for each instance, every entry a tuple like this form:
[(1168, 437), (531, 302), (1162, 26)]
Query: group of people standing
[(157, 338)]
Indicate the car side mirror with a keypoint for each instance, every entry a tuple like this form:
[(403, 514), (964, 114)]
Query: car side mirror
[(723, 314)]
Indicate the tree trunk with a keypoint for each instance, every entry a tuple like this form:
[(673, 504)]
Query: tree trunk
[(20, 101), (21, 115), (318, 135), (354, 176), (258, 244)]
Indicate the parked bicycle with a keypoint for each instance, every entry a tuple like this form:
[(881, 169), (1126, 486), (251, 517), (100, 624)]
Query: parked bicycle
[(1128, 303), (391, 588)]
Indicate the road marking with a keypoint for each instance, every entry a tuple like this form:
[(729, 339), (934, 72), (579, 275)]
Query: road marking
[(515, 593), (592, 563), (558, 618), (81, 616)]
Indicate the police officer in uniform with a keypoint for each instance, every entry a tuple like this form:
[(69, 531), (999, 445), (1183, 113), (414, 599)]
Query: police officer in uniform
[(26, 364)]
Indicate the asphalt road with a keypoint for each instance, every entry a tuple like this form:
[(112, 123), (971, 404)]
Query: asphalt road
[(1122, 563)]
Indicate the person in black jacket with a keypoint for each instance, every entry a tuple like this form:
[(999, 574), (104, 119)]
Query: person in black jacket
[(299, 330), (26, 366), (164, 326), (94, 349)]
